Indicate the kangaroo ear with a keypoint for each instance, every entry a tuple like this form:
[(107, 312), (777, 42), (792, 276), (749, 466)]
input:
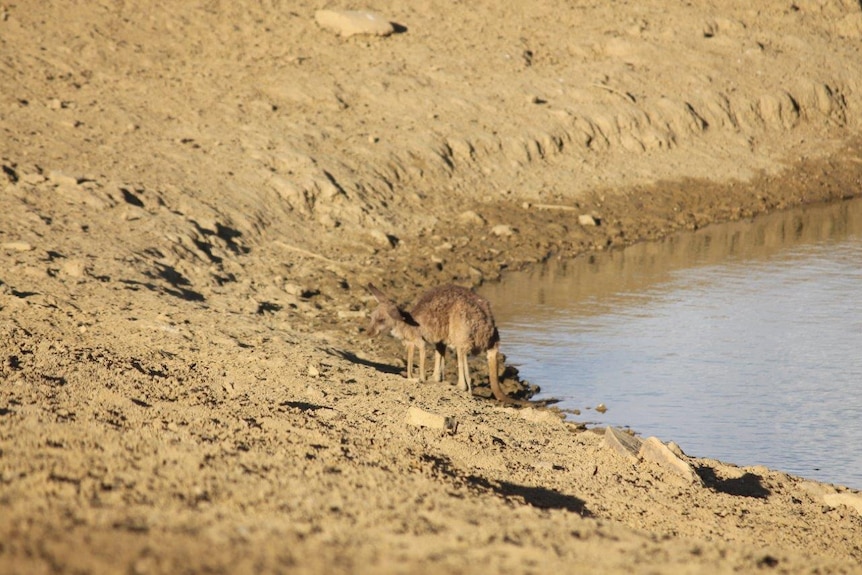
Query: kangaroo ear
[(378, 295)]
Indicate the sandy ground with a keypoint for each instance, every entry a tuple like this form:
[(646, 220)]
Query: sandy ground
[(194, 195)]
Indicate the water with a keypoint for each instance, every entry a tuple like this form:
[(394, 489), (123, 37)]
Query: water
[(741, 342)]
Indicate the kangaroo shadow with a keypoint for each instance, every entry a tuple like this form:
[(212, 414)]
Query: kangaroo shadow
[(749, 485), (355, 359), (542, 497)]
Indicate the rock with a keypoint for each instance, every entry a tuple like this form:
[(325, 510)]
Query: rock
[(17, 246), (74, 268), (383, 239), (132, 213), (852, 500), (676, 449), (351, 22), (503, 230), (623, 443), (471, 218), (62, 179), (33, 179), (421, 418), (588, 220), (652, 449)]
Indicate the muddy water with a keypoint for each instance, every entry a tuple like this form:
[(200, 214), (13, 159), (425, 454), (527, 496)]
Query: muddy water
[(741, 342)]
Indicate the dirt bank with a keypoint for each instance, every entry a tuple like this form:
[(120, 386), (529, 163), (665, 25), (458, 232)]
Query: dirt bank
[(194, 195)]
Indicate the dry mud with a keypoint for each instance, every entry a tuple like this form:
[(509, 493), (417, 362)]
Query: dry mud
[(194, 194)]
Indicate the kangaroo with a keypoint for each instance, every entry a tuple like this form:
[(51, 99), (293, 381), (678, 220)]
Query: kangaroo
[(443, 316)]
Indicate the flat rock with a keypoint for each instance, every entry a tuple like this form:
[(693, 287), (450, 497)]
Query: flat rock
[(503, 230), (17, 246), (421, 418), (587, 220), (471, 218), (652, 449), (351, 22), (62, 178), (623, 443)]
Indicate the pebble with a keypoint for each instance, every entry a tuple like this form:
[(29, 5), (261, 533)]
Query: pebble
[(383, 239), (351, 22), (62, 179), (17, 246), (587, 220), (503, 230), (33, 179), (471, 218), (74, 268), (422, 418)]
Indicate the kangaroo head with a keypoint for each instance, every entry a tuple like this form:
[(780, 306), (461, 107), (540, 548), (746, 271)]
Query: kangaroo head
[(386, 316)]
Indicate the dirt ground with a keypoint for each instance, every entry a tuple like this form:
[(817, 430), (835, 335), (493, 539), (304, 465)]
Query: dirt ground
[(194, 195)]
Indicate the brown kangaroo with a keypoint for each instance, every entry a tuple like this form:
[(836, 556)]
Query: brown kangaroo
[(443, 316)]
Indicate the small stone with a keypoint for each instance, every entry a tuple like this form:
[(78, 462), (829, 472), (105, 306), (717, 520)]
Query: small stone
[(33, 179), (74, 268), (132, 213), (503, 230), (383, 239), (313, 371), (62, 179), (421, 418), (471, 218), (587, 220), (351, 22), (601, 408), (17, 246)]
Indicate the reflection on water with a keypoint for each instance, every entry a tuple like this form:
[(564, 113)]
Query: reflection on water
[(741, 342)]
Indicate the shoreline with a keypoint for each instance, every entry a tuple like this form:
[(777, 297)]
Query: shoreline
[(546, 287)]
